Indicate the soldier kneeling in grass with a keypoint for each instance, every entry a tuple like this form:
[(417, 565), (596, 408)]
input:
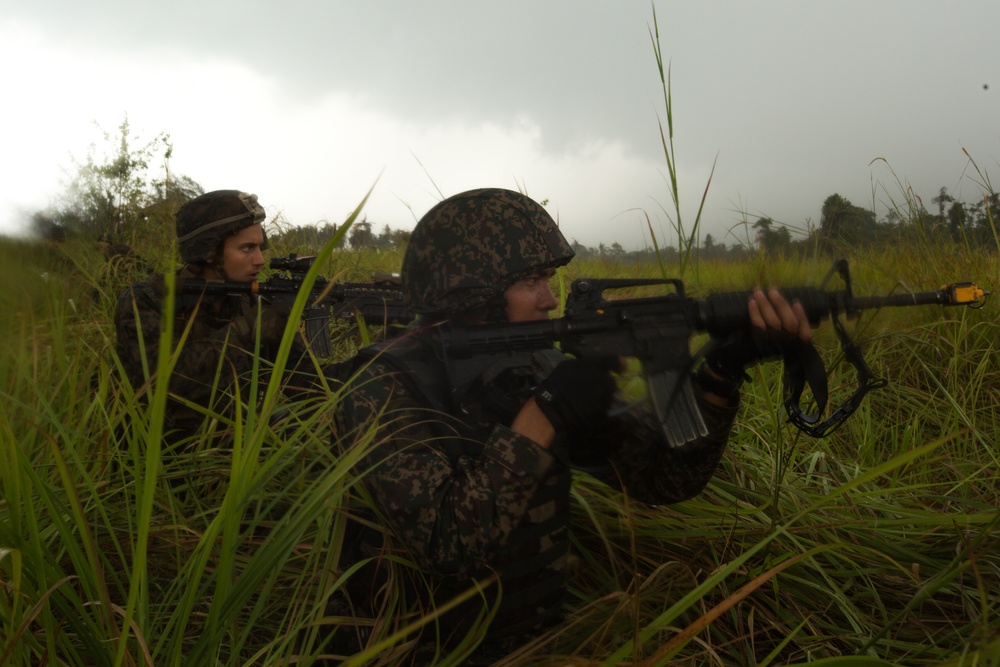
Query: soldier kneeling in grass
[(220, 236), (474, 487)]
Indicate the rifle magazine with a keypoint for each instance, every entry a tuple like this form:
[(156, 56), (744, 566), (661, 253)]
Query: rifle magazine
[(676, 407)]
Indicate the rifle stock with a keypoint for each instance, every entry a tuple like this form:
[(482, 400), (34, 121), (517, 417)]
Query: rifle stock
[(657, 331)]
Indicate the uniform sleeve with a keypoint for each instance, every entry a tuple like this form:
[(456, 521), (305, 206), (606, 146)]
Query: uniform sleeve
[(454, 510), (632, 454)]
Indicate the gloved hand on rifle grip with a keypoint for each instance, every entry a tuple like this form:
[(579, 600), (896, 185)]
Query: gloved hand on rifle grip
[(728, 357), (578, 393), (776, 328)]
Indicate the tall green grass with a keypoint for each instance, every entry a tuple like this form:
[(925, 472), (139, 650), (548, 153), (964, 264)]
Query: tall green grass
[(114, 550), (876, 545)]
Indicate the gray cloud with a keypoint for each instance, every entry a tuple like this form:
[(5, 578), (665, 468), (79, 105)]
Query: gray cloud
[(794, 99)]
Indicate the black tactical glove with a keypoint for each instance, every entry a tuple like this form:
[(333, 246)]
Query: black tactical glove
[(727, 357), (578, 393)]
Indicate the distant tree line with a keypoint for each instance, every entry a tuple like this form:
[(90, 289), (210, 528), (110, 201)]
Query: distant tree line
[(971, 223), (119, 191), (360, 235), (842, 226)]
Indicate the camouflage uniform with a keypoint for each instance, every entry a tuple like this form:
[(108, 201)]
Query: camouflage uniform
[(464, 493), (219, 346), (219, 343)]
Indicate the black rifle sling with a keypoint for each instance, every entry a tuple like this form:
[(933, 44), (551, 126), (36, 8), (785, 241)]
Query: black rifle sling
[(803, 366)]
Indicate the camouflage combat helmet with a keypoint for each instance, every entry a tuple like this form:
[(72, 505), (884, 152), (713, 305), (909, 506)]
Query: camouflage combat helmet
[(205, 221), (467, 250)]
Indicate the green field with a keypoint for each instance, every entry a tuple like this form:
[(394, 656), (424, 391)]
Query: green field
[(877, 545)]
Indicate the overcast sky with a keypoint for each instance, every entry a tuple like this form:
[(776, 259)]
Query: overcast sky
[(309, 103)]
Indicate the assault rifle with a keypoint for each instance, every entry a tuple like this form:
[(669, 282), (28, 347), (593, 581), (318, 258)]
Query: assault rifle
[(657, 331), (379, 302)]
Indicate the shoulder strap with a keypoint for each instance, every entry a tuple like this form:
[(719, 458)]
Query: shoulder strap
[(416, 366), (423, 375)]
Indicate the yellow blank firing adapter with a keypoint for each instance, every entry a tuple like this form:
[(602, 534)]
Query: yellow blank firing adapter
[(966, 294)]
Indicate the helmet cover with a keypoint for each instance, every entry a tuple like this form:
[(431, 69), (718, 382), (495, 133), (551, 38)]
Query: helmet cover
[(468, 249), (203, 222)]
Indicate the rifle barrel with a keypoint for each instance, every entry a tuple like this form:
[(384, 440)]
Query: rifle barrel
[(724, 311), (910, 299)]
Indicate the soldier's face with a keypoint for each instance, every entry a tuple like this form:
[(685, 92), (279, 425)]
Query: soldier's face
[(531, 298), (242, 258)]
